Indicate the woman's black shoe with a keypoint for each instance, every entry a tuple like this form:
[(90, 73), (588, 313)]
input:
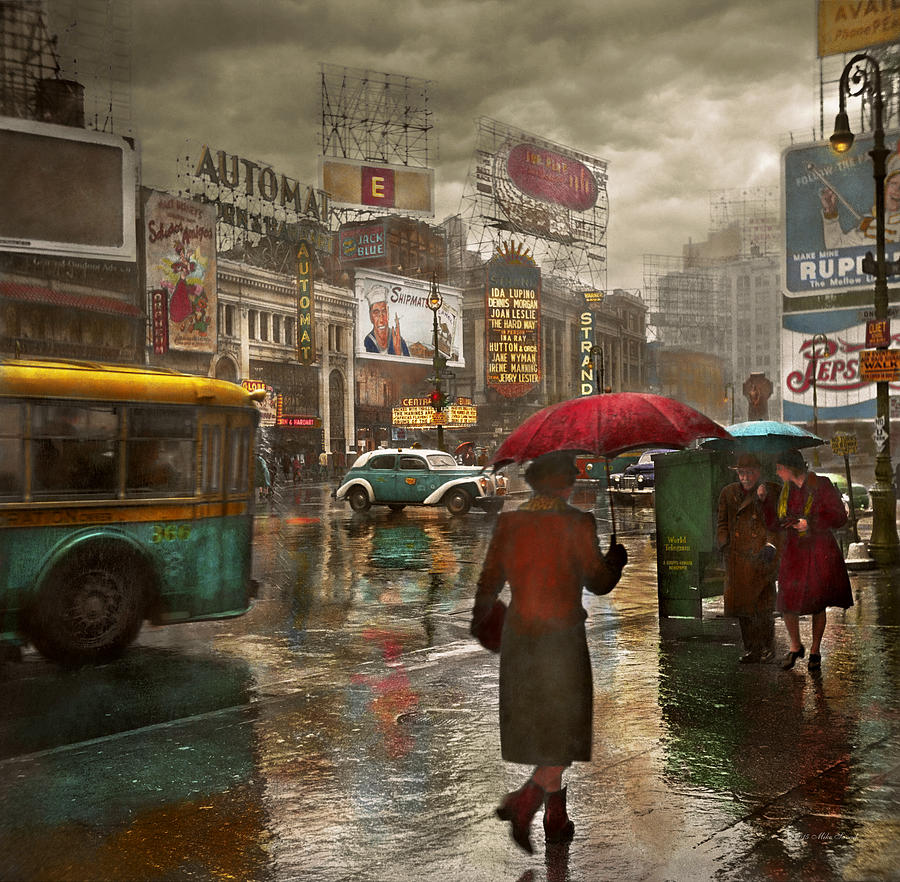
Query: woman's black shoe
[(815, 661), (790, 658)]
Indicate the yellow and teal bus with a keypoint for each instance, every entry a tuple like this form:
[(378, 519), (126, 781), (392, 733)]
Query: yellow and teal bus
[(125, 494)]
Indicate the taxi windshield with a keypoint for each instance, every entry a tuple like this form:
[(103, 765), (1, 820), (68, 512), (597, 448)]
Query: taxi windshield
[(442, 461)]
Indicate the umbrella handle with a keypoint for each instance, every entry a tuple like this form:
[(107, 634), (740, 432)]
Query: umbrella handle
[(612, 511)]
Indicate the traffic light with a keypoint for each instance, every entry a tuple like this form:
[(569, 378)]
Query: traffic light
[(438, 399)]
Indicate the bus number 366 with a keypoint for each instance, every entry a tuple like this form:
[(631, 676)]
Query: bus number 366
[(169, 532)]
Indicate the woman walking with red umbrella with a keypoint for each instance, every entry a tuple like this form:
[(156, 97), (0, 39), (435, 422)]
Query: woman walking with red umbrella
[(547, 551)]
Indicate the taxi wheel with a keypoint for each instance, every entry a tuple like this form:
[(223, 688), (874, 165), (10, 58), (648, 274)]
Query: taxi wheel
[(358, 499), (458, 502), (90, 610), (396, 506)]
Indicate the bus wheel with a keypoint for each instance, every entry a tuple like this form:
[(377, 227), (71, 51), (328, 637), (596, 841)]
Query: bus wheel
[(358, 499), (458, 502), (90, 610)]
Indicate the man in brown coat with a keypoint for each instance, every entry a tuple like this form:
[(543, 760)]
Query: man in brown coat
[(750, 552)]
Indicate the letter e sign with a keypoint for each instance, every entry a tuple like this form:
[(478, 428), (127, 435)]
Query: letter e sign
[(377, 186)]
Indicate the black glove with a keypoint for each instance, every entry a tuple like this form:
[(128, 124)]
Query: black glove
[(617, 556), (766, 554)]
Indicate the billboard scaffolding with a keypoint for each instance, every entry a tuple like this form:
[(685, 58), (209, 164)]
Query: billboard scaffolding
[(548, 197), (688, 304), (373, 117)]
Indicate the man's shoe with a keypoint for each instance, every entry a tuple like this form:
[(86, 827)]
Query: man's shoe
[(767, 656), (749, 658)]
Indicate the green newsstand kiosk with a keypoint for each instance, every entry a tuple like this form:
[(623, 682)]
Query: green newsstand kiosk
[(688, 563)]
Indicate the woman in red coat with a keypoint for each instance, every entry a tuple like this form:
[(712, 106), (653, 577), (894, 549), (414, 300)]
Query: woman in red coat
[(812, 575), (548, 552)]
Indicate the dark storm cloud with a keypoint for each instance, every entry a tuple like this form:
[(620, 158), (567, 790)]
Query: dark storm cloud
[(680, 96)]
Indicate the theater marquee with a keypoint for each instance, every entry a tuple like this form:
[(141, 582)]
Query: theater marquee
[(513, 323)]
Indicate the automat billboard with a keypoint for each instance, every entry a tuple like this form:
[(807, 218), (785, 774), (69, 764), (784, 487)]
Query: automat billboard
[(827, 344), (830, 217), (395, 322)]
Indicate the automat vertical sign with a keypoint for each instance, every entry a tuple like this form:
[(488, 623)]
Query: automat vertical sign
[(306, 343), (513, 323)]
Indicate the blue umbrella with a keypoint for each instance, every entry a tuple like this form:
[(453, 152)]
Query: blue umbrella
[(764, 436)]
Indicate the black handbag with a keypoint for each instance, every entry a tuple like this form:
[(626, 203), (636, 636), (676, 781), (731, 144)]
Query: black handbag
[(489, 628)]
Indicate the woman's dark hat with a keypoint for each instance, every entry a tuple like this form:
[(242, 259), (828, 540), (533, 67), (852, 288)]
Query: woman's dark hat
[(747, 461), (552, 471), (792, 459)]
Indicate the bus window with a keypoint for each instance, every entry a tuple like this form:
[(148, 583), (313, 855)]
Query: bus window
[(74, 450), (159, 460), (238, 449), (210, 458), (11, 458)]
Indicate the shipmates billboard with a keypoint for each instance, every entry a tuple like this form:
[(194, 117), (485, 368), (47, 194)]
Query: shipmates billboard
[(827, 345), (829, 214), (395, 322)]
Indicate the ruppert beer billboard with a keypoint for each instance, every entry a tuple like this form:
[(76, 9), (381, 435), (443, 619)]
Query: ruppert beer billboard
[(830, 216)]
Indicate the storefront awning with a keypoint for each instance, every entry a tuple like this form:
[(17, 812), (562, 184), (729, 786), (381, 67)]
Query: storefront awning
[(50, 297)]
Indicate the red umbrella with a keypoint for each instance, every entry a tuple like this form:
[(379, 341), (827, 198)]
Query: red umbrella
[(607, 425)]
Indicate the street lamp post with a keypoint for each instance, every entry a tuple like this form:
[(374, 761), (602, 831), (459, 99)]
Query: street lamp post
[(435, 301), (863, 75), (818, 338)]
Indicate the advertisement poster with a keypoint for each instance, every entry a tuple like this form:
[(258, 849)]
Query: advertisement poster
[(180, 238), (841, 393), (829, 214), (395, 322)]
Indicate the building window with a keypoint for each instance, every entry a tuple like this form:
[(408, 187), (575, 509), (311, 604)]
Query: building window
[(229, 320), (289, 331), (276, 328), (251, 324), (263, 326)]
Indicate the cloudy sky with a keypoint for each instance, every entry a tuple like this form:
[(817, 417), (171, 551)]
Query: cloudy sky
[(679, 96)]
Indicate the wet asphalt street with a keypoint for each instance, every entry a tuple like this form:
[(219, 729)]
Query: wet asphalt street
[(346, 729)]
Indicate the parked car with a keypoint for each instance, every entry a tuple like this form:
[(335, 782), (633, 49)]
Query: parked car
[(860, 494), (397, 477), (639, 475)]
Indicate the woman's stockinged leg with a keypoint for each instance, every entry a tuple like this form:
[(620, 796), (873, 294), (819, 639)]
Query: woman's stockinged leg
[(548, 777), (818, 629), (792, 625)]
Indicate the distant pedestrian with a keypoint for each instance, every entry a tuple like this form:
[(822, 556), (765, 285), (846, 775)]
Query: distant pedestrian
[(812, 574), (547, 551), (750, 552), (323, 465)]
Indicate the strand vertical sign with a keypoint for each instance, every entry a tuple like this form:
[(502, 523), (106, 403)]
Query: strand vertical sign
[(586, 353), (513, 320), (306, 343)]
